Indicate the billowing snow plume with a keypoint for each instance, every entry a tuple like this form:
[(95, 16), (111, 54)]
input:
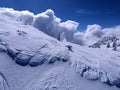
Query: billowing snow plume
[(50, 24), (93, 33), (46, 22), (25, 16)]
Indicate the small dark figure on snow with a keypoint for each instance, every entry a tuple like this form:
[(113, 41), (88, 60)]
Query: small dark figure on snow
[(114, 45), (108, 45), (69, 47)]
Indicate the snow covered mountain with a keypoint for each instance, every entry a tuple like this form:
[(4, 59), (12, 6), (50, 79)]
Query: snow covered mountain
[(111, 40), (33, 60)]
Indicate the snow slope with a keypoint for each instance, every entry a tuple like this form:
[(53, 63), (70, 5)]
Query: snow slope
[(111, 40), (57, 65), (25, 44)]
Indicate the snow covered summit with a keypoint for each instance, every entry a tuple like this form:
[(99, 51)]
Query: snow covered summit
[(111, 40)]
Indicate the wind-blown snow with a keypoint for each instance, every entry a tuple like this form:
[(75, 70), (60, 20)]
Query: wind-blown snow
[(45, 21), (60, 65), (50, 24)]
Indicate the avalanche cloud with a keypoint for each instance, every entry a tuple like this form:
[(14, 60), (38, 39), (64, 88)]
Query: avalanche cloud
[(50, 24), (46, 22)]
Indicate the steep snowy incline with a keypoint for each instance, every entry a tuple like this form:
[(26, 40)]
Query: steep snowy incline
[(111, 41), (65, 78), (27, 45), (3, 83), (60, 76), (97, 64), (60, 65)]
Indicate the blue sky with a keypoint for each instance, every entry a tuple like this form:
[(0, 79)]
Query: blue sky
[(103, 12)]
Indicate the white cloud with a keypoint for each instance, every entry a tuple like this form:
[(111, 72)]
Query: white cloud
[(94, 31), (79, 38), (9, 12), (47, 22), (112, 30), (85, 12), (53, 26), (25, 16), (68, 28)]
